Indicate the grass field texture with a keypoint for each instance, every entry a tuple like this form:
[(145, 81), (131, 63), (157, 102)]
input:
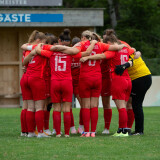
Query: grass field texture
[(146, 147)]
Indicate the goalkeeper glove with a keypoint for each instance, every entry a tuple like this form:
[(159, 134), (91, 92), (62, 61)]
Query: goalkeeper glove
[(120, 68)]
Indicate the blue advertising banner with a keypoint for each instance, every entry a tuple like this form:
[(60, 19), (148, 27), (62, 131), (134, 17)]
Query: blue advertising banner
[(31, 18)]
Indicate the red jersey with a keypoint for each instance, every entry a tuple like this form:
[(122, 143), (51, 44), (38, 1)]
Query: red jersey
[(75, 68), (36, 66), (105, 68), (119, 58), (60, 63), (91, 68)]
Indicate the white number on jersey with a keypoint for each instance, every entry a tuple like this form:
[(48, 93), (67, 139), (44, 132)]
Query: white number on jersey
[(58, 61), (124, 59), (92, 62)]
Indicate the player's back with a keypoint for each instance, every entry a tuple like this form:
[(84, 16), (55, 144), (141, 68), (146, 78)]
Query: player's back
[(91, 68), (60, 66)]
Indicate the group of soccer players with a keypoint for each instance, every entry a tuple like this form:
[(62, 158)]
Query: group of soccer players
[(55, 69)]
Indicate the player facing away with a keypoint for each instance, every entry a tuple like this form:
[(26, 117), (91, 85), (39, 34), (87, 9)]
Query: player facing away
[(61, 85), (33, 39), (75, 71), (36, 89), (51, 40), (121, 85)]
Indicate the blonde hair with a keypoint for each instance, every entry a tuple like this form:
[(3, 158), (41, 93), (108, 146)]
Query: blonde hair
[(87, 34)]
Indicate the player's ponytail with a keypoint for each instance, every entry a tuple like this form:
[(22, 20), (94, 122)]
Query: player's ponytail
[(32, 36), (96, 37), (36, 35)]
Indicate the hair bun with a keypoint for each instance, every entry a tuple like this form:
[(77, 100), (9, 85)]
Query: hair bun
[(66, 31), (109, 32)]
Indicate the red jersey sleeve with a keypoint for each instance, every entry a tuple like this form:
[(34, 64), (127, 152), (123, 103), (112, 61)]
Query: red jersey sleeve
[(79, 46), (104, 47), (46, 53), (33, 47), (131, 51), (109, 54), (47, 47), (78, 55), (27, 53)]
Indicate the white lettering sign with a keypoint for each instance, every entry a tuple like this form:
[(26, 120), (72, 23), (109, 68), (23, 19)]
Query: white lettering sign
[(15, 17)]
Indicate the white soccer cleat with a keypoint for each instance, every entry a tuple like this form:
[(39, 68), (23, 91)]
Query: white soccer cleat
[(42, 135), (31, 134), (58, 136), (66, 136), (106, 131), (48, 132), (23, 134)]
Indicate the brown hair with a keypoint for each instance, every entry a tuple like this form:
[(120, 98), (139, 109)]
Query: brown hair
[(87, 34), (36, 35), (65, 35), (96, 37), (110, 36), (75, 40), (51, 39)]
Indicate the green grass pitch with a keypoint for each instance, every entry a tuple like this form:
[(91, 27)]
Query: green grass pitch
[(102, 147)]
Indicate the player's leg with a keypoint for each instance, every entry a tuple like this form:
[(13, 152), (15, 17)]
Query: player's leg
[(47, 108), (94, 114), (140, 87), (130, 114), (66, 117), (67, 92), (30, 118), (107, 110), (107, 113)]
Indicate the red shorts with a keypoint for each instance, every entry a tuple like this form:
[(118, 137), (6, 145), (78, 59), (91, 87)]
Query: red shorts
[(35, 88), (75, 83), (90, 87), (121, 88), (106, 87), (61, 91), (48, 86), (23, 88)]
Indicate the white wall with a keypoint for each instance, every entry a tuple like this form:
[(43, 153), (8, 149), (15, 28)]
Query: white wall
[(152, 97)]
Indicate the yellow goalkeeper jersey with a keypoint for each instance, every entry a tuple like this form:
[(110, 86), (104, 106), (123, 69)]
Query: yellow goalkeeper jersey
[(139, 69)]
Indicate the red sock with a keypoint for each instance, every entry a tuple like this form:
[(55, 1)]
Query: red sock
[(130, 114), (57, 121), (72, 118), (80, 117), (122, 118), (39, 117), (30, 119), (107, 117), (23, 120), (46, 119), (67, 122), (94, 118), (86, 118)]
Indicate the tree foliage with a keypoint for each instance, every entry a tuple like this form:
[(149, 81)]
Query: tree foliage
[(138, 24)]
